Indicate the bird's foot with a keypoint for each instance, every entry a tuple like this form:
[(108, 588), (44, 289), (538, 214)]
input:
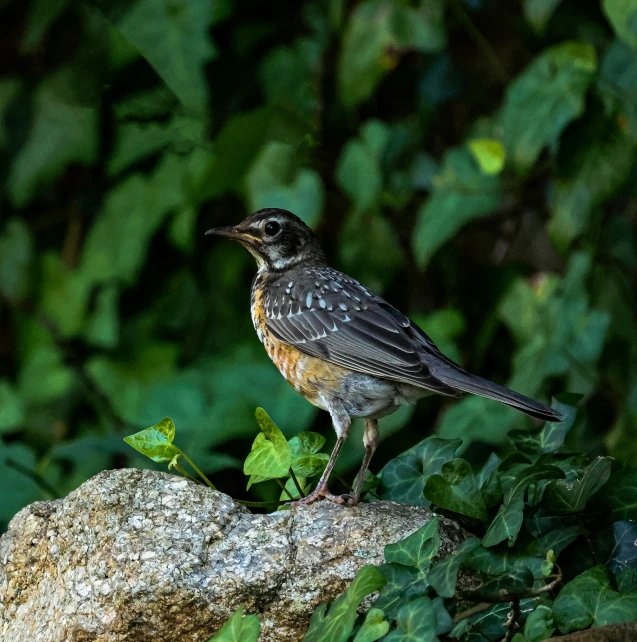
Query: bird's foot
[(322, 492)]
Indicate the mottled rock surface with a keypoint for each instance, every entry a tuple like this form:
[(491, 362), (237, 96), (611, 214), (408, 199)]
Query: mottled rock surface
[(137, 555)]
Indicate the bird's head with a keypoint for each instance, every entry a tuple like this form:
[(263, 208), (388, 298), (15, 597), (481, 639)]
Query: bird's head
[(277, 239)]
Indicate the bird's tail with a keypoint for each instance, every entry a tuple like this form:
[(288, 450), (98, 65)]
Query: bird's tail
[(461, 380)]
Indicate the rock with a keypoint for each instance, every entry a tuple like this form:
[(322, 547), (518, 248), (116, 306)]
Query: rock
[(137, 555)]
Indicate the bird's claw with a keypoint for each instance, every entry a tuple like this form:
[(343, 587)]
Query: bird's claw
[(322, 492)]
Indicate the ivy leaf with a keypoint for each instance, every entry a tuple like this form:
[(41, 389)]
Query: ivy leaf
[(621, 494), (571, 496), (550, 438), (589, 600), (624, 556), (304, 451), (270, 457), (538, 626), (239, 629), (174, 39), (402, 584), (493, 587), (404, 477), (416, 622), (373, 628), (155, 442), (622, 15), (11, 407), (553, 89), (509, 519), (455, 489), (444, 574), (338, 623), (462, 193), (417, 549), (376, 31), (489, 154)]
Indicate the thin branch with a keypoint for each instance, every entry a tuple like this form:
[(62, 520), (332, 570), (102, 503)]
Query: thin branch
[(296, 483), (285, 490), (478, 608), (511, 625), (194, 467)]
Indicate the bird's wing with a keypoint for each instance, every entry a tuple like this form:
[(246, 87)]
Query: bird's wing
[(328, 315)]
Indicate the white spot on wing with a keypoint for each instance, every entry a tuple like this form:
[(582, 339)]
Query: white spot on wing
[(343, 307), (308, 300)]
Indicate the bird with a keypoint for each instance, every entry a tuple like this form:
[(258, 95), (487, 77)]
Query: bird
[(340, 345)]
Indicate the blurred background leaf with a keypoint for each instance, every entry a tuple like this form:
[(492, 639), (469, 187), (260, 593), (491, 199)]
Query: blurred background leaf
[(472, 161)]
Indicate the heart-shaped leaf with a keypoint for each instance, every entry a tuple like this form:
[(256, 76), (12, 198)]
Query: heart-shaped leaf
[(509, 519), (416, 623), (444, 574), (304, 450), (270, 457), (374, 627), (155, 442), (455, 489), (571, 496), (417, 549)]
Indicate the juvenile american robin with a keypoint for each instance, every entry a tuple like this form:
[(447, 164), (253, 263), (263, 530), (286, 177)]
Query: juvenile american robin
[(344, 348)]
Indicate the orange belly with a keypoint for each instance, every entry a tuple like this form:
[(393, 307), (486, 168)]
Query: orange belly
[(308, 375)]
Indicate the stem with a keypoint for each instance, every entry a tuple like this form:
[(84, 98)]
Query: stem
[(33, 476), (478, 608), (511, 624), (296, 483), (185, 473), (285, 490), (208, 482)]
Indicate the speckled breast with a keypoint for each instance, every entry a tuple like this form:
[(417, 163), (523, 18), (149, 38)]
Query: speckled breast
[(309, 376)]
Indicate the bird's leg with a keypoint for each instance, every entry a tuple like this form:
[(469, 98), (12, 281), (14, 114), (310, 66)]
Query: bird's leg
[(370, 439), (341, 422)]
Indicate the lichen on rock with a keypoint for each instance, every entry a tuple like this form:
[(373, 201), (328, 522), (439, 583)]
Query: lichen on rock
[(135, 555)]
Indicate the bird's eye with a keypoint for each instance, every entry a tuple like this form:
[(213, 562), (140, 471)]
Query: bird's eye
[(272, 228)]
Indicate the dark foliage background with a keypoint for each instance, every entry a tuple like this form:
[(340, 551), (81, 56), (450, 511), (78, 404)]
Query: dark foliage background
[(470, 160)]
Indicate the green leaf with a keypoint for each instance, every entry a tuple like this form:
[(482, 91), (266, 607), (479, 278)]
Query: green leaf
[(16, 258), (539, 12), (596, 159), (402, 584), (174, 39), (63, 131), (544, 99), (539, 625), (376, 31), (304, 450), (620, 494), (416, 622), (462, 193), (270, 457), (589, 600), (444, 574), (417, 549), (11, 407), (489, 154), (624, 555), (455, 489), (373, 628), (622, 15), (404, 477), (9, 88), (508, 521), (493, 587), (338, 623), (275, 180), (550, 438), (571, 496), (155, 442), (239, 629)]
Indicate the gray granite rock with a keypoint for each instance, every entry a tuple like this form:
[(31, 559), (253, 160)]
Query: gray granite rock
[(137, 555)]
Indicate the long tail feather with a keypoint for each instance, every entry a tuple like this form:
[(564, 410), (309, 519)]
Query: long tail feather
[(466, 382)]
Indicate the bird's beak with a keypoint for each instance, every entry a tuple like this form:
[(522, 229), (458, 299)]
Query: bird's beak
[(234, 233)]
